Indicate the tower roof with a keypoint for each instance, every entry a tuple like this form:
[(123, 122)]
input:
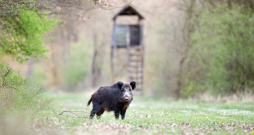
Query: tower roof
[(128, 10)]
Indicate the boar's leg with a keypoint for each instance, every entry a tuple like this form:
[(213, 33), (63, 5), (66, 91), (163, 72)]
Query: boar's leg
[(99, 113), (123, 113), (117, 113), (96, 108)]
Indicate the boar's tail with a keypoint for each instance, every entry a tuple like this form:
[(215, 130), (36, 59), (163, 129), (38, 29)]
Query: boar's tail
[(89, 102)]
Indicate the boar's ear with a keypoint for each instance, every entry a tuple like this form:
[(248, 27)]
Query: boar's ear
[(120, 84), (133, 85)]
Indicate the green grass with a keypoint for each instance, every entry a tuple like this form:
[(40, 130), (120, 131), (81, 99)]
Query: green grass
[(148, 116)]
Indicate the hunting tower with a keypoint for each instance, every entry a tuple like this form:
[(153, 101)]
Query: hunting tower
[(130, 38)]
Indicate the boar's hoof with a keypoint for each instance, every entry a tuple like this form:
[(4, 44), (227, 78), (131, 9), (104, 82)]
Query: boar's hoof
[(91, 117)]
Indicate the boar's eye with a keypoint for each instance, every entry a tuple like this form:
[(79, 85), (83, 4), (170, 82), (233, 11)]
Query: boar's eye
[(122, 89), (129, 89)]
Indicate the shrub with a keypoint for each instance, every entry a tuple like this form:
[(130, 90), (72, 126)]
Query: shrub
[(222, 51), (17, 94)]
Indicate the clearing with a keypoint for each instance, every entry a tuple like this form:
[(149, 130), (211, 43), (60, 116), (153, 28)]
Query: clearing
[(150, 116)]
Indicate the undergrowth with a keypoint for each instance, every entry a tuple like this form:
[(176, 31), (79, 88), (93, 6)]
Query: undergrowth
[(20, 102)]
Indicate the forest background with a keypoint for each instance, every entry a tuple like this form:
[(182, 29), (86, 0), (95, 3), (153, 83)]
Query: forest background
[(192, 46)]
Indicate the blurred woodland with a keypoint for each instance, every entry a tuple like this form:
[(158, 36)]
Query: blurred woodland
[(192, 46)]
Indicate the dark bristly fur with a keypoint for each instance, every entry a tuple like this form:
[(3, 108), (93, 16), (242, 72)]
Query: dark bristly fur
[(115, 98)]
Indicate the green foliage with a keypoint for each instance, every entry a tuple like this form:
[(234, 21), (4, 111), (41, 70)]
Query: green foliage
[(16, 94), (21, 36), (223, 50), (76, 69)]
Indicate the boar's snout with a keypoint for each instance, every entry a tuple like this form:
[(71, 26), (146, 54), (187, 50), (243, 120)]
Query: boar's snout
[(126, 99), (127, 96)]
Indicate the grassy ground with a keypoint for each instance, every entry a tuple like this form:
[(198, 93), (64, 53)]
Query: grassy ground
[(147, 116)]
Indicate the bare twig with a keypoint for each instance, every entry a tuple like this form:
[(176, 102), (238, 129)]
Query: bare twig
[(70, 112), (73, 113)]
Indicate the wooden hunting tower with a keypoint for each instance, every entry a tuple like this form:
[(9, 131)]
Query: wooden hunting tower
[(129, 37)]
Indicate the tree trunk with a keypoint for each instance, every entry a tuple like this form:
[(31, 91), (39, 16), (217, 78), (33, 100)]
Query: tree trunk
[(94, 65)]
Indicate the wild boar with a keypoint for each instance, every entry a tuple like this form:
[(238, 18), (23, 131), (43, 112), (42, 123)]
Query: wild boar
[(115, 98)]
